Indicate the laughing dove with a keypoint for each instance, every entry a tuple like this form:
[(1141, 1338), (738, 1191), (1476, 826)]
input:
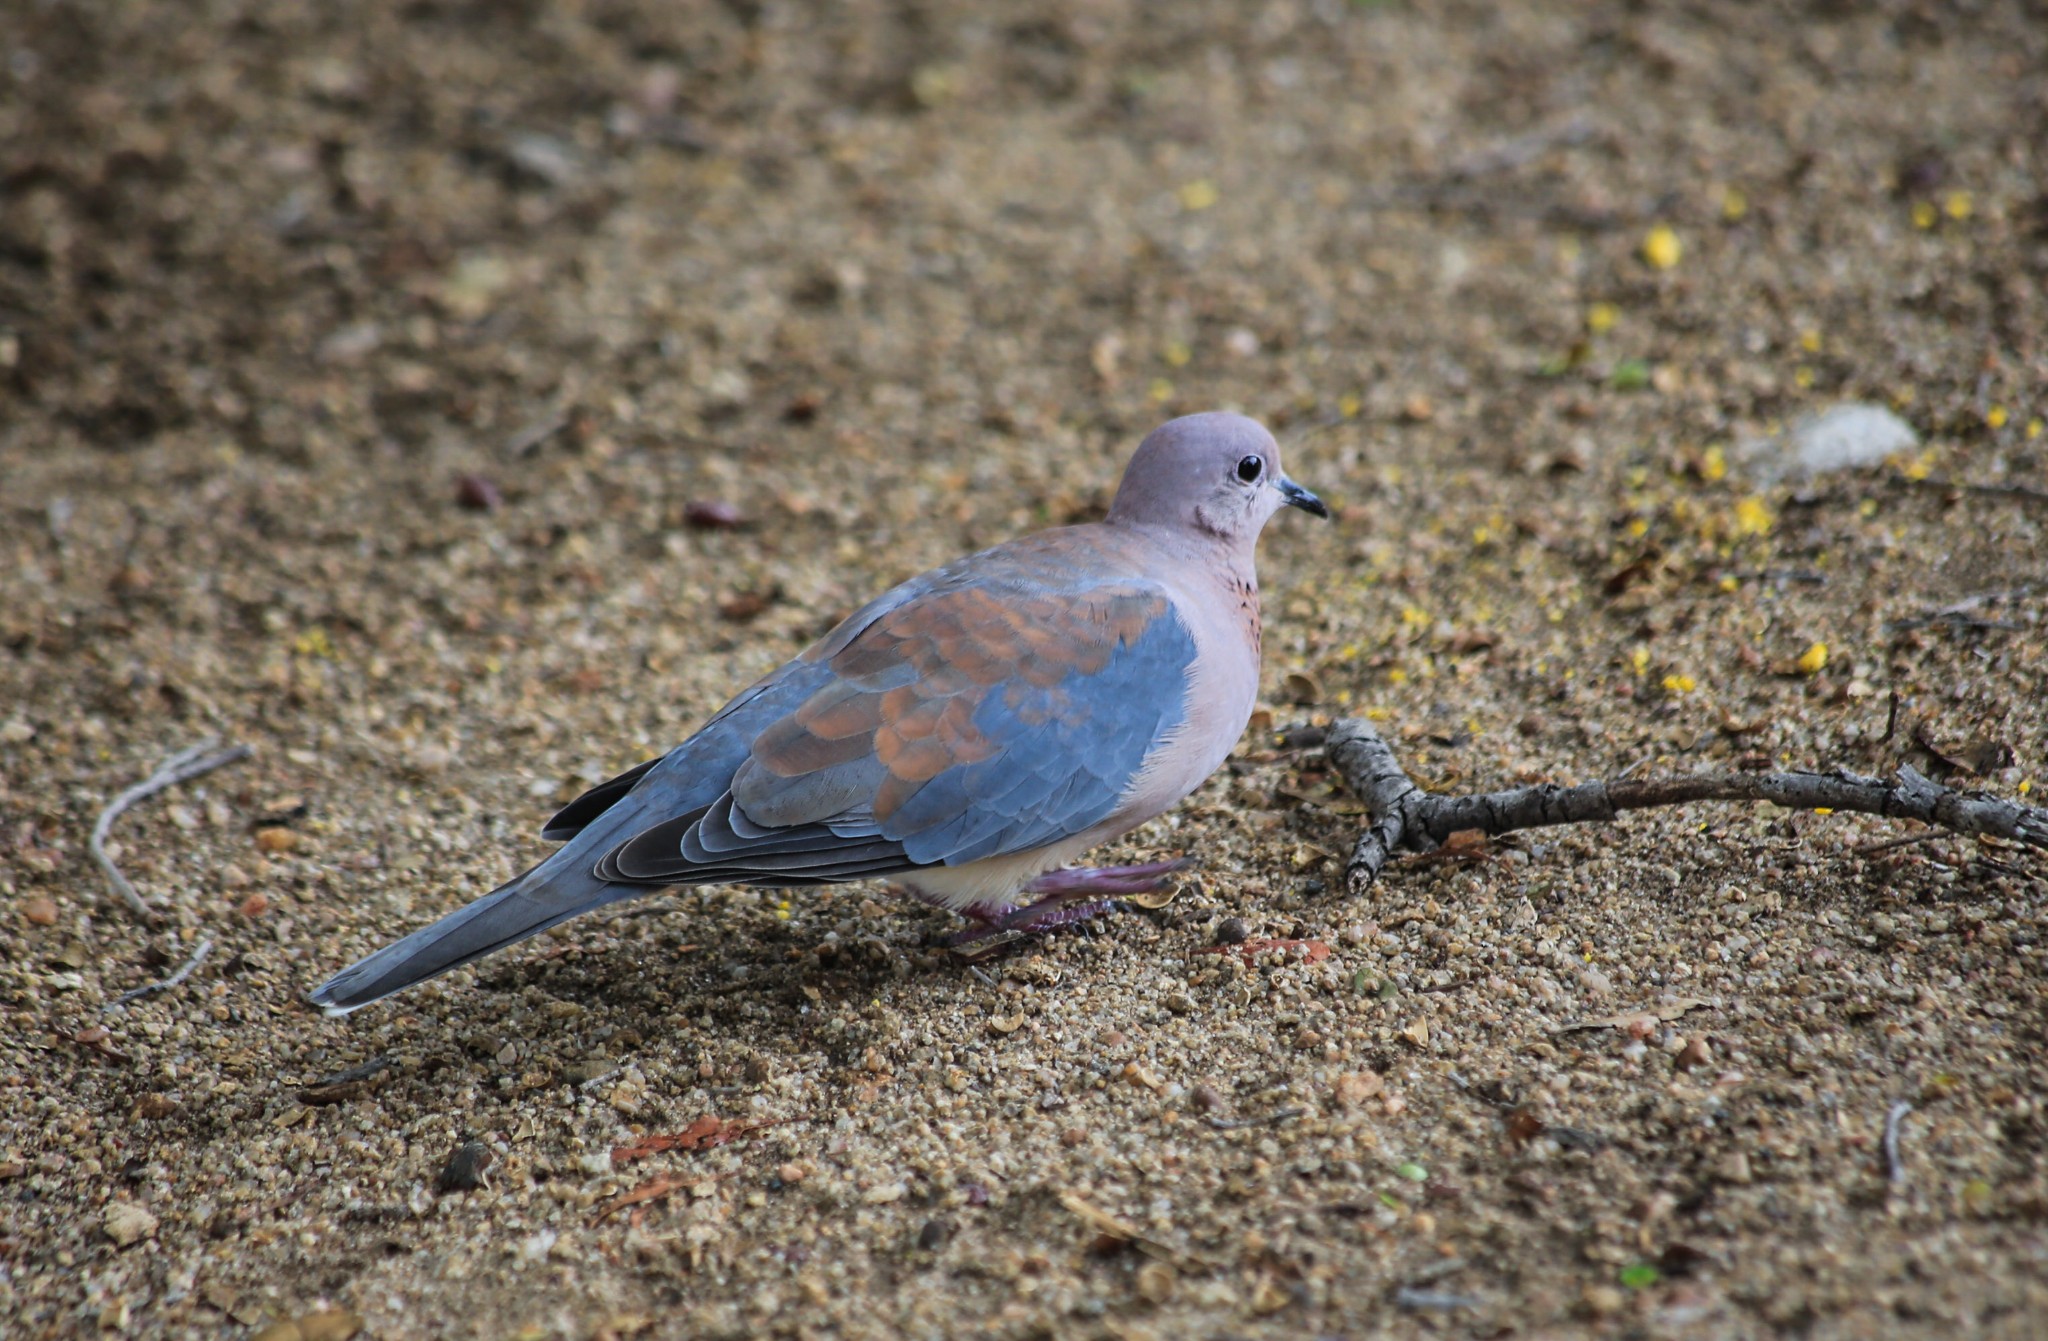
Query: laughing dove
[(967, 734)]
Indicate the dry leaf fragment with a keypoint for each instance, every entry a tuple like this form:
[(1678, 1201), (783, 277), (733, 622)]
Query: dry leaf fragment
[(652, 1190), (742, 606), (1471, 640), (706, 1133), (1123, 1231), (1311, 952), (1334, 800), (1977, 756)]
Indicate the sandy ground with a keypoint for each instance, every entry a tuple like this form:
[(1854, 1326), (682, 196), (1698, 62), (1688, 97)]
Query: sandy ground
[(373, 379)]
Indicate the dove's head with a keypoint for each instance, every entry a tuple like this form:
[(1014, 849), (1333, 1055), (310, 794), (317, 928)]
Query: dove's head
[(1217, 474)]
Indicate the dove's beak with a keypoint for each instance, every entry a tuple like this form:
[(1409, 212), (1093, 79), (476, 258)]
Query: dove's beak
[(1298, 497)]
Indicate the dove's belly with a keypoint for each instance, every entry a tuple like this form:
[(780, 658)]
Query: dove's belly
[(1220, 697)]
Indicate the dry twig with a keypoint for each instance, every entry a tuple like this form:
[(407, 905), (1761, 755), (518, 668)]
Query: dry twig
[(180, 767), (1407, 818), (1957, 614), (1894, 1165), (1269, 1120), (204, 949)]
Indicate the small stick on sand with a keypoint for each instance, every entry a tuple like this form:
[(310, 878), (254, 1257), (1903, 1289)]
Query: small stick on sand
[(1894, 1166), (1407, 818), (204, 948), (1269, 1120), (180, 767)]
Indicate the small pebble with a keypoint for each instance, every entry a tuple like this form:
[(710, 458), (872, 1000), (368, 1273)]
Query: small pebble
[(1355, 1087), (1156, 1282), (705, 514), (1604, 1300), (128, 1222), (277, 838), (477, 494), (466, 1167), (329, 1324), (1233, 931)]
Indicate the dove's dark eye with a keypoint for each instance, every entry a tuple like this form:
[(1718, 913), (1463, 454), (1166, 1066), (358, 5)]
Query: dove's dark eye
[(1250, 469)]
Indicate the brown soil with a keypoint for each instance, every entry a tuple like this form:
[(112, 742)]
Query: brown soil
[(367, 373)]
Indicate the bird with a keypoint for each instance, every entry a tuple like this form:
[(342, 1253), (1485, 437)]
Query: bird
[(964, 735)]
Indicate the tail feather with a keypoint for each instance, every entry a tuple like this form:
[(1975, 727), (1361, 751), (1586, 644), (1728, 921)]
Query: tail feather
[(561, 887)]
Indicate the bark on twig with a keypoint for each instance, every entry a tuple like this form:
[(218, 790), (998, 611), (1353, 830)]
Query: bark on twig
[(180, 767), (1407, 818)]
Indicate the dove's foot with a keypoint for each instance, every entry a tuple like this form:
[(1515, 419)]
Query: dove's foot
[(996, 927), (1102, 881), (1068, 896)]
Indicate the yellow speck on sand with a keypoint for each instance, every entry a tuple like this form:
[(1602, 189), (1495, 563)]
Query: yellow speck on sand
[(1161, 389), (1680, 684), (1809, 340), (1661, 248), (1734, 204), (1813, 659), (1640, 659), (1753, 517), (1600, 318), (1959, 205), (1714, 463), (1996, 416), (1199, 194), (2034, 427), (1924, 215), (1177, 353)]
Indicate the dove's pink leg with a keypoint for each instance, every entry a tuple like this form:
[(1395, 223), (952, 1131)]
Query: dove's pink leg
[(1074, 894), (1110, 881)]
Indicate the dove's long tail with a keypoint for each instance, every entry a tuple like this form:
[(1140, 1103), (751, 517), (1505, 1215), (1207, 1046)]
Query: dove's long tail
[(558, 889)]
